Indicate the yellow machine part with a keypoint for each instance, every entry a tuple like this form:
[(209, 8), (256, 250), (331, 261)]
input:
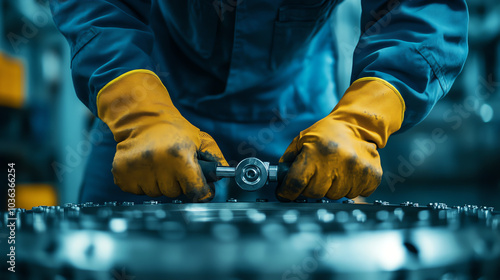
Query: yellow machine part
[(11, 81), (31, 195)]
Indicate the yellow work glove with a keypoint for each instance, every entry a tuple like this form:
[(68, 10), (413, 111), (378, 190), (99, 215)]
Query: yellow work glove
[(337, 156), (158, 149)]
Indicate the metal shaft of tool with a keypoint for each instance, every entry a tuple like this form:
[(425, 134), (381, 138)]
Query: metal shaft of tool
[(250, 174), (230, 172), (225, 172), (273, 173)]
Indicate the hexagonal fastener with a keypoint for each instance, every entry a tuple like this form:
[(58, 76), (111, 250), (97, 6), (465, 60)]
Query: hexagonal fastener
[(232, 200)]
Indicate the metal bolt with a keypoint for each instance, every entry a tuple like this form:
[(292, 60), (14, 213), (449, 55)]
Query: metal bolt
[(150, 202), (433, 205), (380, 202), (443, 206), (38, 209), (322, 201), (232, 200)]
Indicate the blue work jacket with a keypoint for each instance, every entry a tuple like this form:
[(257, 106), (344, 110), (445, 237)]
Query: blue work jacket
[(250, 60), (254, 73)]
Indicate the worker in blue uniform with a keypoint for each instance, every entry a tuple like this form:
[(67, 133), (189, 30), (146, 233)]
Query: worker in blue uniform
[(170, 80)]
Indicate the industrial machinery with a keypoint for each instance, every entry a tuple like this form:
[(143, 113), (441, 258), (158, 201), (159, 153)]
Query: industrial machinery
[(254, 240)]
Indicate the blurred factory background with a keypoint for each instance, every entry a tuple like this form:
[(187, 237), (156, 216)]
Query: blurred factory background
[(451, 157)]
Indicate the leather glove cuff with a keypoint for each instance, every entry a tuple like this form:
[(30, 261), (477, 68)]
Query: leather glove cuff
[(373, 108), (136, 91), (135, 98)]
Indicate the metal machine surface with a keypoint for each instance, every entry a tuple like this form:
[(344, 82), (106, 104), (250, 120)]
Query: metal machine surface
[(258, 240)]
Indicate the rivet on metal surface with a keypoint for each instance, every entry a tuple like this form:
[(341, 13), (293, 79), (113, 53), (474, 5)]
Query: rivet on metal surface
[(38, 209), (380, 202), (150, 202)]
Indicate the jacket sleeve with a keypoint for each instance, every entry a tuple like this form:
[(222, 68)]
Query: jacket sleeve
[(419, 47), (107, 38)]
